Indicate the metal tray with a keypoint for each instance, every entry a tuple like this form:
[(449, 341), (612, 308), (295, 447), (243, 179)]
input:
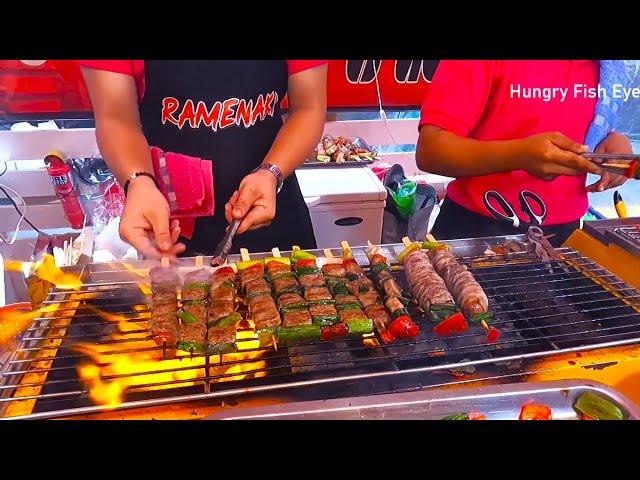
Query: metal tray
[(496, 402)]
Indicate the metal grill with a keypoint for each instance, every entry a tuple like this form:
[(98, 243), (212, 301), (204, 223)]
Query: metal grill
[(630, 233), (541, 309)]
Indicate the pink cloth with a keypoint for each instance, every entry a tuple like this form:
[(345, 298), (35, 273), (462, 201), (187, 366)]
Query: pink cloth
[(187, 184)]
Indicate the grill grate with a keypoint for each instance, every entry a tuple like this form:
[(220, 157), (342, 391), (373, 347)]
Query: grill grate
[(540, 308)]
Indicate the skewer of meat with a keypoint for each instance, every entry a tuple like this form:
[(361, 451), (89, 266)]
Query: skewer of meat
[(223, 320), (362, 288), (402, 325), (262, 306), (194, 312), (163, 324), (427, 286)]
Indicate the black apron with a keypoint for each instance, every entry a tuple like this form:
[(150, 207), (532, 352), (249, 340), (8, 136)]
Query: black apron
[(234, 148)]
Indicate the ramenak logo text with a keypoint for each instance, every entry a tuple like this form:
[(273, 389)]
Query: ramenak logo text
[(579, 91)]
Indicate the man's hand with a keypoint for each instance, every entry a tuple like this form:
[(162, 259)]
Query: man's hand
[(549, 155), (254, 201), (145, 221), (614, 143)]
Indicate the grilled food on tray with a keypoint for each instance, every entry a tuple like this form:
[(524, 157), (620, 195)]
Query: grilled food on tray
[(194, 312), (341, 150)]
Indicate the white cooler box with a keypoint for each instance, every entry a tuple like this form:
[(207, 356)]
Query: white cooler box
[(344, 204)]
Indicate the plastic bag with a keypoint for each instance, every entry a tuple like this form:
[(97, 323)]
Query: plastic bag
[(409, 212), (404, 197)]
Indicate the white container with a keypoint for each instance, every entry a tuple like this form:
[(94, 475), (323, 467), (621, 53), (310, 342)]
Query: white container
[(344, 204)]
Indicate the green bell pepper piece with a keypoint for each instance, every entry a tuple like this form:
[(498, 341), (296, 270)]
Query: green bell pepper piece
[(298, 332), (193, 347), (325, 319), (230, 320), (186, 317), (360, 326), (595, 406)]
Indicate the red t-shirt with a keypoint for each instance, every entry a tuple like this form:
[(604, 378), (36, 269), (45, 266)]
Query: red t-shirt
[(135, 68), (479, 99)]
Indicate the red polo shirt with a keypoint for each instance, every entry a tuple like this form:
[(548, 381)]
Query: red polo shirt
[(479, 99)]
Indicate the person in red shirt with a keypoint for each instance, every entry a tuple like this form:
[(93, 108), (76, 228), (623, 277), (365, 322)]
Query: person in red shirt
[(227, 111), (511, 133)]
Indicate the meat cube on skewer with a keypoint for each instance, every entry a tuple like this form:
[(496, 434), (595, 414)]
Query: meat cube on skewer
[(346, 299), (223, 294), (285, 285), (219, 310), (360, 285), (312, 280), (298, 317), (250, 274), (223, 276), (163, 280), (290, 299), (379, 315), (334, 270), (257, 287), (317, 293), (266, 318), (368, 298)]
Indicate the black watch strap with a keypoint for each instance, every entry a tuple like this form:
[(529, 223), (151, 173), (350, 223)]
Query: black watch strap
[(139, 174)]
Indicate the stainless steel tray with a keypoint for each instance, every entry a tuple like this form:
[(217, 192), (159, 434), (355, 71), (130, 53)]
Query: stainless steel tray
[(496, 402)]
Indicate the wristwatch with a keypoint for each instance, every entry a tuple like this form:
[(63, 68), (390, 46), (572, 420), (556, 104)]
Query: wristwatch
[(276, 173)]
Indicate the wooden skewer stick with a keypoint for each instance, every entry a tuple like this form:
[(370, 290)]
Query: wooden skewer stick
[(199, 261), (276, 252), (406, 241), (431, 238), (164, 262), (244, 254), (328, 253)]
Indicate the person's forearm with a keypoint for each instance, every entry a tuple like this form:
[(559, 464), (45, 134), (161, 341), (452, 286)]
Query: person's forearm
[(445, 153), (123, 147), (296, 139)]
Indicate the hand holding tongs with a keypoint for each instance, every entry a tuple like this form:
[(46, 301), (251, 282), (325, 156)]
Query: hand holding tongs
[(625, 164), (223, 248)]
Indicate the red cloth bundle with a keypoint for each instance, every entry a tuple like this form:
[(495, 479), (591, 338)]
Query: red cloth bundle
[(187, 184)]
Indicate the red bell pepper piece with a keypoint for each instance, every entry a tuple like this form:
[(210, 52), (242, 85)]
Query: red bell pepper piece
[(493, 334), (377, 258), (477, 416), (347, 261), (535, 412), (334, 331), (403, 327), (455, 323), (387, 336), (225, 270), (307, 262)]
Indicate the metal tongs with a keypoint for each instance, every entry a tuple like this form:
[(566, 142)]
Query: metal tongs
[(618, 163), (223, 248), (539, 245)]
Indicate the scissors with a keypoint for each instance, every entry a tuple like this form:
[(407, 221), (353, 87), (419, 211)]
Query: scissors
[(528, 200)]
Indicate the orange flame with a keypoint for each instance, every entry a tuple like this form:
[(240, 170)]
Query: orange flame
[(112, 372), (46, 270), (15, 319)]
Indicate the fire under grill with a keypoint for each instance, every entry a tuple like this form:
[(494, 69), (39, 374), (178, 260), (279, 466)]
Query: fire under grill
[(540, 308)]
